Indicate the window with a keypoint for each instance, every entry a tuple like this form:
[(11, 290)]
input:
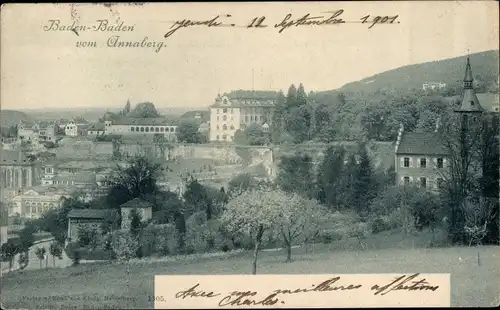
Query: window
[(251, 118), (224, 118), (224, 127), (157, 129), (142, 129), (440, 182), (224, 137), (423, 162), (217, 127), (162, 129), (406, 162), (132, 128), (147, 129), (218, 111), (232, 127), (152, 129), (423, 182), (440, 163), (406, 180), (224, 110), (136, 128), (246, 118)]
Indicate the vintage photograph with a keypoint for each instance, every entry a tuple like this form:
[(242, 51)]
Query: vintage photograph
[(238, 138)]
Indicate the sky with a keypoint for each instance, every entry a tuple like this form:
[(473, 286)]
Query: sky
[(43, 68)]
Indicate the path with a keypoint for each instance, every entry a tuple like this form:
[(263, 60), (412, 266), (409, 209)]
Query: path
[(34, 262)]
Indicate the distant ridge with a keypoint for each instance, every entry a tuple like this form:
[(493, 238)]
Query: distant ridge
[(12, 117), (448, 71)]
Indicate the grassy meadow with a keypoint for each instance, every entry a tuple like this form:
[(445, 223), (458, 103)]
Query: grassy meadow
[(104, 285)]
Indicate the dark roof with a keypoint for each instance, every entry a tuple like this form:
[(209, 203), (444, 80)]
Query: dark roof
[(253, 94), (89, 213), (95, 127), (136, 203), (424, 143), (152, 121), (469, 102)]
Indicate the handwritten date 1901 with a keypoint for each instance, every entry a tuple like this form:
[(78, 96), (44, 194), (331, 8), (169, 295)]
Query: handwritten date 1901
[(378, 20)]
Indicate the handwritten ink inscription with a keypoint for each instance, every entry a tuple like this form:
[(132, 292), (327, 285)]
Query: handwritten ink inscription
[(251, 298), (121, 32), (330, 18)]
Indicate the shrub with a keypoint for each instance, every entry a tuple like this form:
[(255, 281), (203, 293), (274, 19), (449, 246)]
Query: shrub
[(167, 240), (76, 256), (124, 245), (88, 237), (380, 223), (330, 235), (23, 260)]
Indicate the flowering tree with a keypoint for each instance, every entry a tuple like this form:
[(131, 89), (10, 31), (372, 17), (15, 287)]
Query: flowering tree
[(288, 215), (253, 213), (297, 219)]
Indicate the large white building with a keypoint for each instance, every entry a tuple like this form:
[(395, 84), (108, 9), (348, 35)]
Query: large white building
[(133, 126), (32, 203), (237, 110)]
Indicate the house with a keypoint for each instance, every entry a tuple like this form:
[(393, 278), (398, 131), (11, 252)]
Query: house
[(79, 219), (144, 208), (47, 131), (237, 110), (27, 131), (433, 85), (73, 129), (421, 158), (96, 129)]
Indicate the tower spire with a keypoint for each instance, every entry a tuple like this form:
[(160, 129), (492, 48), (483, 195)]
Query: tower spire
[(469, 103), (468, 79)]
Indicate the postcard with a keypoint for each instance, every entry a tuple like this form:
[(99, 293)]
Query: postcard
[(241, 155)]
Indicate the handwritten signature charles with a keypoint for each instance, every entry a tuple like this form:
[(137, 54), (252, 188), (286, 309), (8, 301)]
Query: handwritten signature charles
[(249, 298), (328, 18)]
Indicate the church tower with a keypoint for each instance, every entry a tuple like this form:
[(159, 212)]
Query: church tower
[(469, 105)]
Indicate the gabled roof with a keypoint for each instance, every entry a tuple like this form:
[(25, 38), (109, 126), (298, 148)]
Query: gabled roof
[(90, 213), (136, 203), (422, 143)]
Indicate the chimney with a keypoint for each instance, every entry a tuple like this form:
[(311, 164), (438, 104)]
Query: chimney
[(438, 123)]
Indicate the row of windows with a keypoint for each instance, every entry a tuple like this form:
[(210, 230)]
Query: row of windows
[(253, 118), (224, 127), (423, 182), (224, 138), (224, 118), (153, 129), (423, 162), (225, 110)]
